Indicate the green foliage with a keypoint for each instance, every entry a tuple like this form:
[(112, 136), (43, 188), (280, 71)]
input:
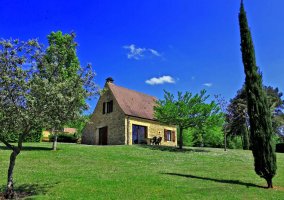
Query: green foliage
[(237, 117), (39, 89), (79, 123), (19, 113), (65, 84), (207, 137), (63, 137), (187, 136), (188, 110), (234, 142), (34, 136), (213, 137), (258, 108)]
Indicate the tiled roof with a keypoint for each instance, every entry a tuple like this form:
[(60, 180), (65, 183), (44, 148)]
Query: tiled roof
[(134, 103)]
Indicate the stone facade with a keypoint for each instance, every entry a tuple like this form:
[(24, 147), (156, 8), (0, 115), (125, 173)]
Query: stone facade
[(114, 122), (119, 125)]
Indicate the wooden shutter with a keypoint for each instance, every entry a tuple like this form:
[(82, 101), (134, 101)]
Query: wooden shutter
[(173, 136), (146, 132), (104, 107), (165, 135)]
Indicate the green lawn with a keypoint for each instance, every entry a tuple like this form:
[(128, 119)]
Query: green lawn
[(138, 172)]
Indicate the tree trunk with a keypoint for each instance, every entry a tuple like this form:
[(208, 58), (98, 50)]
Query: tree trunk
[(225, 141), (245, 137), (10, 193), (180, 138), (269, 182), (54, 145)]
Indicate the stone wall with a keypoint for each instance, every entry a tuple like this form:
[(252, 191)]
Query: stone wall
[(114, 121)]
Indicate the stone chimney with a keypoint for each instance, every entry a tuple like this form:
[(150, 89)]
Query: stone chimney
[(109, 80)]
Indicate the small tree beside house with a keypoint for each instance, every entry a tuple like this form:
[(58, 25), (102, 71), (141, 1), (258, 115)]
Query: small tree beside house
[(187, 111)]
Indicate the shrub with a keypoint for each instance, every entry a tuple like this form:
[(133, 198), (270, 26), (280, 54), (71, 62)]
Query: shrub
[(63, 137), (214, 137), (234, 142), (186, 135), (34, 136), (208, 137)]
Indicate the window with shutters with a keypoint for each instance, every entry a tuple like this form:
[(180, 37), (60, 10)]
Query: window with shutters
[(169, 135)]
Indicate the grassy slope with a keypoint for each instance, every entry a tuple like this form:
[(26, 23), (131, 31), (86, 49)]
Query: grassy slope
[(136, 172)]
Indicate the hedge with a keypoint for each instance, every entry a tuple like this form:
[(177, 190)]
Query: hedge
[(63, 137)]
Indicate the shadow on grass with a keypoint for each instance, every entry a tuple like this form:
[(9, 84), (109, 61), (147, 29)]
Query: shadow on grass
[(235, 182), (27, 190), (29, 148), (173, 149)]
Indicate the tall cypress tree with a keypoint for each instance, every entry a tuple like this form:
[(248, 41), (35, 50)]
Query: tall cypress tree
[(258, 109)]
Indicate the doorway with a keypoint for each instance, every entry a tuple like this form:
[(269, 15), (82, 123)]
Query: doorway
[(103, 136), (139, 134)]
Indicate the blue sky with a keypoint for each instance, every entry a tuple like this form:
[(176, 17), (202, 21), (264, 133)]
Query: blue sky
[(151, 45)]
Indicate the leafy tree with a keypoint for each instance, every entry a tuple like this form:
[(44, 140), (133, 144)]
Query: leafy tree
[(237, 116), (19, 113), (258, 108), (223, 104), (67, 84), (187, 111), (33, 95)]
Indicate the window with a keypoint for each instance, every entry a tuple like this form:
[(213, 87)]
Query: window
[(107, 107), (169, 135), (104, 107)]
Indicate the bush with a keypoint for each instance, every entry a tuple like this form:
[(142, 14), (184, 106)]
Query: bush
[(63, 137), (186, 135), (12, 137), (280, 148), (234, 142), (207, 137), (214, 137), (34, 136)]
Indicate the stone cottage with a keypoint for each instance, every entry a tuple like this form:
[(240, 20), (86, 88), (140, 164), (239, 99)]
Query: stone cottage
[(124, 116)]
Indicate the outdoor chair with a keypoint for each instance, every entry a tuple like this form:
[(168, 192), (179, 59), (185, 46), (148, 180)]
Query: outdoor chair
[(153, 140), (159, 140)]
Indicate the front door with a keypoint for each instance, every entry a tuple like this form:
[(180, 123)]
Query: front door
[(103, 136)]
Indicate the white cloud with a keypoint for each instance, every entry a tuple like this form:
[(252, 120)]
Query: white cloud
[(160, 80), (208, 84), (154, 52), (137, 52)]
